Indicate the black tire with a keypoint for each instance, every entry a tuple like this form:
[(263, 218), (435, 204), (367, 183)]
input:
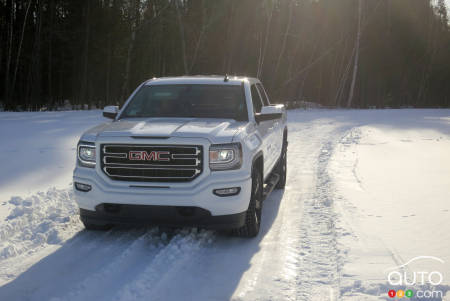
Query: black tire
[(96, 227), (281, 168), (253, 215)]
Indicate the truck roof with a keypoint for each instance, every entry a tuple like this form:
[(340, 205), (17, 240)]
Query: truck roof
[(201, 79)]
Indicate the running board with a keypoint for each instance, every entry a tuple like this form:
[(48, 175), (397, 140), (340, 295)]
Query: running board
[(270, 184)]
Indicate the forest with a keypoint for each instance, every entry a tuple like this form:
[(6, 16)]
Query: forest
[(336, 53)]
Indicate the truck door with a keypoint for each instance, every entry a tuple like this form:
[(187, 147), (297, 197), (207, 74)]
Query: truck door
[(275, 131), (263, 129)]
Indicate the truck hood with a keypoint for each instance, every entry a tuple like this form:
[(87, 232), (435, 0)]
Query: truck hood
[(215, 130)]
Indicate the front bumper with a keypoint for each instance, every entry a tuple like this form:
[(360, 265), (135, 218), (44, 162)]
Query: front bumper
[(160, 215), (198, 193)]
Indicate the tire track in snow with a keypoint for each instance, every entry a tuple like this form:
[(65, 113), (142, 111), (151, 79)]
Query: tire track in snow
[(103, 266), (295, 262), (109, 275), (155, 279), (318, 278), (277, 265), (69, 265), (98, 286)]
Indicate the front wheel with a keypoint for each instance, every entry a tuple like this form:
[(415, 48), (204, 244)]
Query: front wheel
[(281, 168), (253, 215)]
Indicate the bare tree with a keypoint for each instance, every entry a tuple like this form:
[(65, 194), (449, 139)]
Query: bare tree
[(285, 36), (10, 3), (356, 62), (201, 36), (266, 40), (50, 53), (183, 38), (84, 76), (19, 50), (134, 24)]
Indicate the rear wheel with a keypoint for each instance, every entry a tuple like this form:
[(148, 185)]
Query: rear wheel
[(253, 215), (281, 168)]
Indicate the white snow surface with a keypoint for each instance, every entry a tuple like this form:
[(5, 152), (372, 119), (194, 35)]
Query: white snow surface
[(367, 190)]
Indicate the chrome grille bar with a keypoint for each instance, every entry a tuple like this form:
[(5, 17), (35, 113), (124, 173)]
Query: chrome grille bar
[(151, 163)]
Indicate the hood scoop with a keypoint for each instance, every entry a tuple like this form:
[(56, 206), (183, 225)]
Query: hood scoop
[(150, 137)]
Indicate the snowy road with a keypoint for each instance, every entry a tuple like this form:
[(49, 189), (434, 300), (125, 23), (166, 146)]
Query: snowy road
[(308, 241)]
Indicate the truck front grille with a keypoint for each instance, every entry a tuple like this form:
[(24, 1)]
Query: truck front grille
[(151, 163)]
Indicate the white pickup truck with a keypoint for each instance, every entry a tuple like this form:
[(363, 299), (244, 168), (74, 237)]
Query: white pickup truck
[(194, 150)]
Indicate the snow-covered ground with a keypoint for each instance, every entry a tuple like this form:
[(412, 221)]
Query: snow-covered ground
[(37, 150), (367, 191)]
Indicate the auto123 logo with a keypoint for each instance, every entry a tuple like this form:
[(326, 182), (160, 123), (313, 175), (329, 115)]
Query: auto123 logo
[(406, 282)]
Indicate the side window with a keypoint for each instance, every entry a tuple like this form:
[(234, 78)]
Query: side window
[(256, 100), (263, 93)]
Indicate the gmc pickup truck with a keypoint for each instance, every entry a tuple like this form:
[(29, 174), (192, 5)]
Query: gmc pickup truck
[(200, 151)]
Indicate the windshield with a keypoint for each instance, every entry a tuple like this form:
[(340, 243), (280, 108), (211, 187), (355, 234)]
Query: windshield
[(193, 100)]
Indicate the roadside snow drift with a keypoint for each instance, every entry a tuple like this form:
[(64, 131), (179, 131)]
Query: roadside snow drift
[(367, 194)]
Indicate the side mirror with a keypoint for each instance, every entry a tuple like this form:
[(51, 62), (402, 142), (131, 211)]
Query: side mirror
[(110, 111), (269, 113)]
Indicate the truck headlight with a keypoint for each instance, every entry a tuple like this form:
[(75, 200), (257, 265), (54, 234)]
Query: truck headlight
[(225, 156), (86, 154)]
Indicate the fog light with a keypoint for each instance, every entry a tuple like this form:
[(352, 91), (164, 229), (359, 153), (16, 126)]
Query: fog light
[(83, 187), (227, 191)]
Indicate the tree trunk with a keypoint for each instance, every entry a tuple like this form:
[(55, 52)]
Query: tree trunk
[(108, 69), (431, 51), (229, 41), (182, 36), (84, 80), (135, 8), (35, 75), (50, 55), (283, 44), (266, 39), (356, 62), (200, 38), (9, 52), (343, 79), (19, 50)]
